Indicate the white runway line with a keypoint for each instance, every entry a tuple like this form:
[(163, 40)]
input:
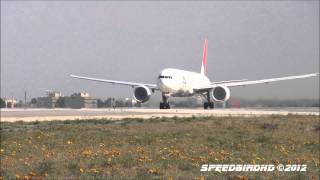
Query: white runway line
[(12, 115)]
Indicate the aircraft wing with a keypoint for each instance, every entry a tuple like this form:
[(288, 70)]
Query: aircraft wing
[(132, 84), (262, 81), (220, 82)]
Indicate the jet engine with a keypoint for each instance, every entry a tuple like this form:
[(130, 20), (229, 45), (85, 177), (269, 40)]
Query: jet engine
[(220, 93), (141, 94)]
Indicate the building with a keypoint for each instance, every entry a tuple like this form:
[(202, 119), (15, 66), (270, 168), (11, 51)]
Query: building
[(10, 103), (50, 101), (80, 100)]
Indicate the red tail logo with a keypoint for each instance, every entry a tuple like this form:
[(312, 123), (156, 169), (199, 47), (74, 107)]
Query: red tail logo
[(204, 58)]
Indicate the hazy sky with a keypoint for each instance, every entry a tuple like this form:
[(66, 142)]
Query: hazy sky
[(43, 42)]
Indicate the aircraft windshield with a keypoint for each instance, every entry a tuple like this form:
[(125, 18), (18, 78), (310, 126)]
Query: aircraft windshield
[(166, 77)]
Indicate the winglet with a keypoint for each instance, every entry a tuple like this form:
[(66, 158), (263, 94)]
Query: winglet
[(204, 58)]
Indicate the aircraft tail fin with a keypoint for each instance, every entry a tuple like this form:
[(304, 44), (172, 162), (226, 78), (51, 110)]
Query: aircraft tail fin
[(204, 58)]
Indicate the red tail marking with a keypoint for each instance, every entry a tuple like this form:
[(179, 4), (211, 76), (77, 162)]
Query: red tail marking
[(204, 57)]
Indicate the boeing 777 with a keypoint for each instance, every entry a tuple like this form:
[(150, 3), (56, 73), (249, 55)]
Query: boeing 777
[(180, 83)]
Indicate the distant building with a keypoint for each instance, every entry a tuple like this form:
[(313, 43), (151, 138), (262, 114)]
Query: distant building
[(80, 100), (54, 94), (50, 101), (10, 103)]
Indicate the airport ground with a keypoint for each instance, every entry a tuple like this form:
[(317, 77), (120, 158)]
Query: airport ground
[(160, 147), (20, 114)]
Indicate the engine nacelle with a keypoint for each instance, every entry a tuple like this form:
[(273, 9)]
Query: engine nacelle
[(141, 94), (220, 93)]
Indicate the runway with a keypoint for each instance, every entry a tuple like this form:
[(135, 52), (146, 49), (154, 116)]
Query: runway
[(12, 115)]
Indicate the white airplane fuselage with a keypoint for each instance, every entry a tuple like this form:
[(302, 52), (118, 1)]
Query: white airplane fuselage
[(180, 83)]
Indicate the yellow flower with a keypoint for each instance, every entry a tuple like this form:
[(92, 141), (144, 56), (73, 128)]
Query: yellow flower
[(241, 177), (153, 171), (26, 177), (199, 178), (81, 170), (112, 153), (32, 173), (87, 152), (69, 142), (94, 170)]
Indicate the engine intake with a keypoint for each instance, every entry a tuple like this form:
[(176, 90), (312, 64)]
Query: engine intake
[(220, 93), (141, 94)]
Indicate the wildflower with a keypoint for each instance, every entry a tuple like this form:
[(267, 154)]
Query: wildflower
[(87, 152), (144, 159), (170, 178), (13, 153), (69, 142), (94, 170), (112, 153), (153, 171), (32, 173), (199, 178), (276, 161), (140, 150), (26, 177), (288, 161), (238, 177), (211, 153), (81, 170)]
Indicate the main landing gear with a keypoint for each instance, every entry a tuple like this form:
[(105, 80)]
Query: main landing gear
[(165, 103), (208, 104)]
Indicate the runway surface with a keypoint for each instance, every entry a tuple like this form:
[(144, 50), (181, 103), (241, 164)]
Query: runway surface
[(11, 115)]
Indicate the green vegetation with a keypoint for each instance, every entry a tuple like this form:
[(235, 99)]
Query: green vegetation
[(2, 103), (159, 148)]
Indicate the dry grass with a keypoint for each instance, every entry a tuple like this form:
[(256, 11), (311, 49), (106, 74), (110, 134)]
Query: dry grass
[(161, 148)]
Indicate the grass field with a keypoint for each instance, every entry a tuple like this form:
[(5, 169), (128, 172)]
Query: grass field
[(160, 148)]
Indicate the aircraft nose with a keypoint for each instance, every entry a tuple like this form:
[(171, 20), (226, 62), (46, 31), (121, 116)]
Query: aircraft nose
[(162, 83)]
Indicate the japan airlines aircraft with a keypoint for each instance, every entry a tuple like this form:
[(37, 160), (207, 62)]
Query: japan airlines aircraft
[(180, 83)]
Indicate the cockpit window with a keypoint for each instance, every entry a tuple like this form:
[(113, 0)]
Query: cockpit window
[(166, 77)]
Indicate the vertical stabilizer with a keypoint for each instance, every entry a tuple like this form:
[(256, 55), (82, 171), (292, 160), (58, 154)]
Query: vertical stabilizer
[(204, 58)]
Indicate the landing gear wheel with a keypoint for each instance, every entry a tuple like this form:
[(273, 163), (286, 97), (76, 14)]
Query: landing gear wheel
[(208, 105), (205, 105), (165, 103), (211, 105), (164, 106)]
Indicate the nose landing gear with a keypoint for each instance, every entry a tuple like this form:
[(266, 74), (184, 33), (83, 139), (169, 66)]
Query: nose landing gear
[(165, 104)]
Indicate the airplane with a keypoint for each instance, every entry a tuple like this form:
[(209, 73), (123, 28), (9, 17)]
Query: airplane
[(180, 83)]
